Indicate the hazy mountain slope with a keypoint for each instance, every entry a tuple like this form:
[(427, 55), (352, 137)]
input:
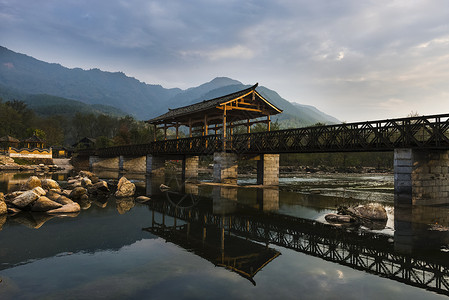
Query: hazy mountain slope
[(48, 105), (26, 75), (32, 76)]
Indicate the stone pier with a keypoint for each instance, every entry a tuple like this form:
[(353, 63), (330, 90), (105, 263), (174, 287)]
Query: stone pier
[(268, 169), (190, 167), (155, 166), (110, 163), (133, 164), (421, 177), (225, 167)]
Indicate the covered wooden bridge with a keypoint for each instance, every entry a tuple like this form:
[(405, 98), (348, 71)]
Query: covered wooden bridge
[(222, 127), (219, 115)]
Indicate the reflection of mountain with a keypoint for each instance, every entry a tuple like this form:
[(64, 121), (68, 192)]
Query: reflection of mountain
[(244, 257), (93, 230)]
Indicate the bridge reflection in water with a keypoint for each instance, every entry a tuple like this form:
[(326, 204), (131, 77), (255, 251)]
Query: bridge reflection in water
[(244, 238)]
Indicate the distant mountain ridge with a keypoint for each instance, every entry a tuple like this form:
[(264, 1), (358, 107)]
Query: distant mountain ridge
[(102, 90)]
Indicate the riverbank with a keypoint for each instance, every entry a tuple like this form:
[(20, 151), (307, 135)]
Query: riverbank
[(8, 164)]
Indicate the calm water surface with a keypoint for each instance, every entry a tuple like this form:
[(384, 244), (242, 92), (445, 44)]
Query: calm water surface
[(211, 242)]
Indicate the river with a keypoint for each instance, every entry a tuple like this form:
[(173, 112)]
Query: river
[(206, 241)]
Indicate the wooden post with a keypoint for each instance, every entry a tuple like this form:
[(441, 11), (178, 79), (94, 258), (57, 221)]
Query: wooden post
[(155, 129), (224, 128), (190, 132), (177, 135), (268, 123), (248, 127), (205, 129), (190, 127), (165, 132)]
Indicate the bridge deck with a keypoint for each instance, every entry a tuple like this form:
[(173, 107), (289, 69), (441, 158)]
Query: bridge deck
[(425, 132)]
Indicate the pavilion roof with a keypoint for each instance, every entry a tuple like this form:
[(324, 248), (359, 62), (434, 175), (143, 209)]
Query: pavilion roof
[(211, 106), (34, 139)]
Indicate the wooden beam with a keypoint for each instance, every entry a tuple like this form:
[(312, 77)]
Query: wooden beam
[(224, 128)]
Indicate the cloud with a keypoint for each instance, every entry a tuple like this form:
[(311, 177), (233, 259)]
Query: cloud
[(338, 55)]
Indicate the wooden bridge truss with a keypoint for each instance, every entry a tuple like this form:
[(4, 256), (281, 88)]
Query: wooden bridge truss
[(424, 132), (364, 251)]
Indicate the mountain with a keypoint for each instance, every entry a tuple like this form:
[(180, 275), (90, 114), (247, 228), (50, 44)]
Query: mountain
[(43, 85), (48, 105), (31, 76)]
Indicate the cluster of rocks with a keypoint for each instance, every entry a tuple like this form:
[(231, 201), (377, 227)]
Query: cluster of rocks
[(47, 196), (372, 215), (8, 164)]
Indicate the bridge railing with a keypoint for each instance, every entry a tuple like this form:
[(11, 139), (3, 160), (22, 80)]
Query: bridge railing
[(384, 135), (415, 132)]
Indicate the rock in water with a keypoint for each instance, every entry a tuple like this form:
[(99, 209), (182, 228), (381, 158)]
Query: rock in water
[(100, 187), (77, 193), (63, 200), (125, 188), (44, 204), (33, 182), (49, 184), (142, 199), (3, 208), (372, 211), (68, 208), (39, 191), (25, 199), (334, 218)]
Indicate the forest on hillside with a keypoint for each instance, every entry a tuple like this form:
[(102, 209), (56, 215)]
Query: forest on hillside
[(21, 122)]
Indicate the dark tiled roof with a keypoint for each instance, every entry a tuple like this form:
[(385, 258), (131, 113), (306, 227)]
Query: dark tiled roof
[(202, 106), (9, 139), (34, 139)]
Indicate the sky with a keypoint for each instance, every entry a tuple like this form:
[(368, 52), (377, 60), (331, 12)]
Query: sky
[(356, 60)]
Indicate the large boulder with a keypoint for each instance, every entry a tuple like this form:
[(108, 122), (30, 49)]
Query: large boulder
[(371, 211), (39, 191), (64, 200), (33, 182), (3, 208), (44, 204), (77, 193), (339, 219), (52, 195), (90, 175), (101, 187), (50, 184), (125, 188), (68, 208), (86, 182), (25, 199)]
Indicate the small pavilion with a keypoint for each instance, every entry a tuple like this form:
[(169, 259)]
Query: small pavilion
[(8, 141), (220, 115), (34, 142)]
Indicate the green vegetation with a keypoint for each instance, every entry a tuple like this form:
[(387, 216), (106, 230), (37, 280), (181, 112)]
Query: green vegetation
[(19, 121)]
